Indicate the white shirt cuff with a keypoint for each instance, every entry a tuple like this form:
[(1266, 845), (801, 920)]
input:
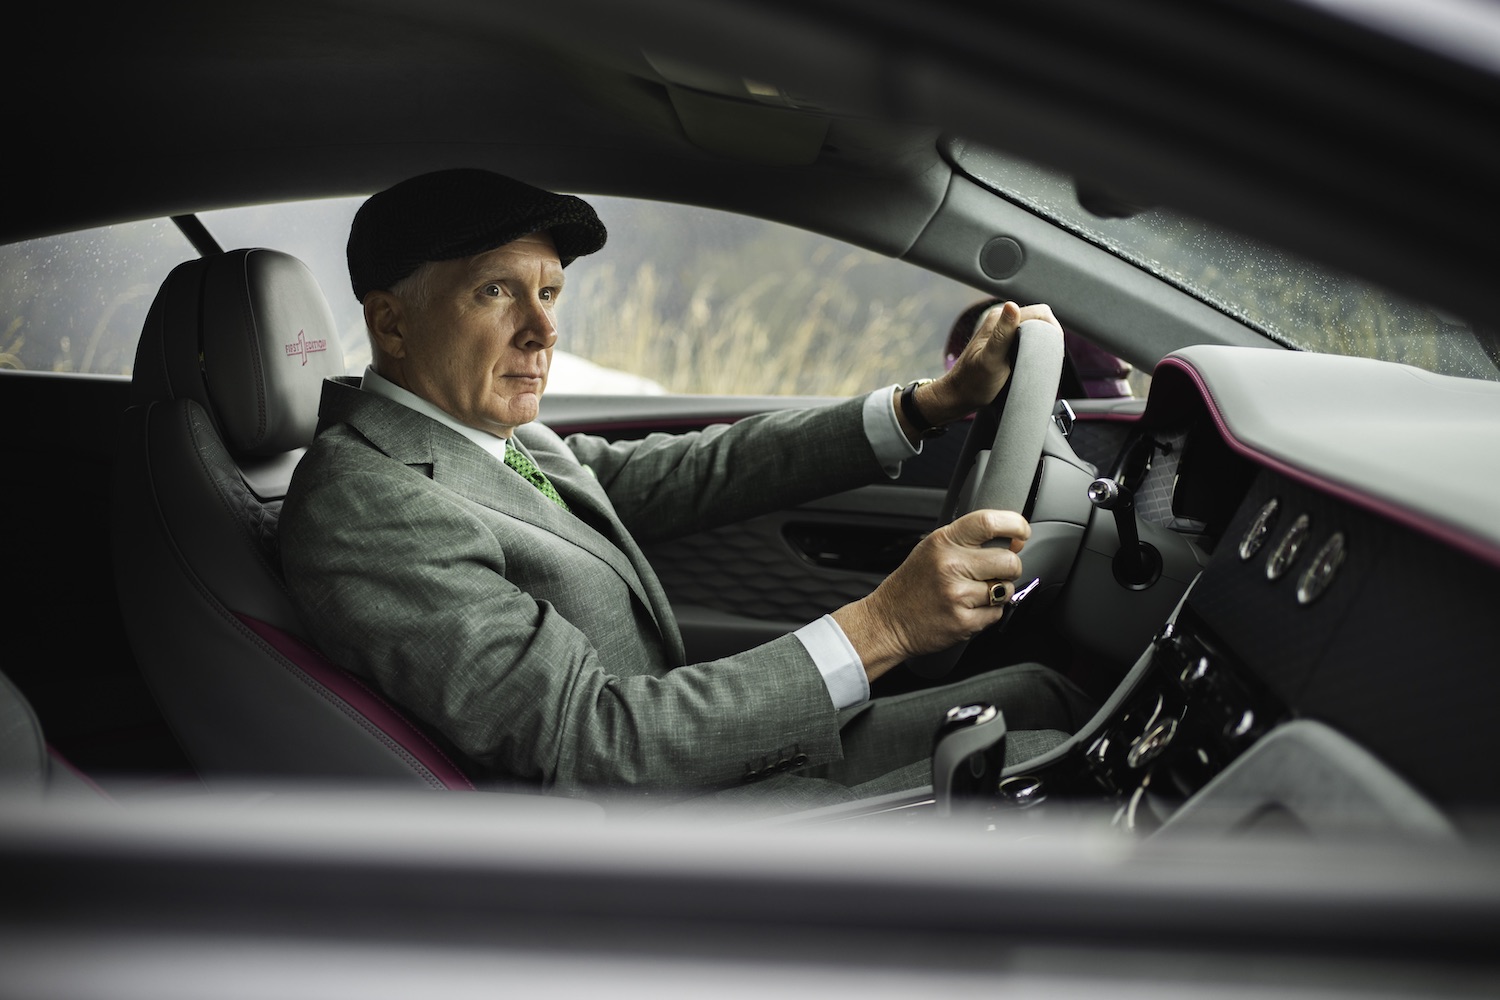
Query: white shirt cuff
[(836, 660), (884, 431)]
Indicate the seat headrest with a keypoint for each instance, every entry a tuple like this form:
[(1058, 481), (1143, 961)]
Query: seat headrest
[(248, 335)]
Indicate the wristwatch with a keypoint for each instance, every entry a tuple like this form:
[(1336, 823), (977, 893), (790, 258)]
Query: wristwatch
[(924, 427)]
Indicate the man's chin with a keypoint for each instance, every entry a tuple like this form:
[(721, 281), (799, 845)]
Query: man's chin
[(521, 409)]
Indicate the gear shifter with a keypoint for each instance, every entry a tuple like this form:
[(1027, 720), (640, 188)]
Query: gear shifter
[(1137, 564), (968, 754)]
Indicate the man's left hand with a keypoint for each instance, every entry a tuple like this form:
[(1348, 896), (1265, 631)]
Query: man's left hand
[(981, 371)]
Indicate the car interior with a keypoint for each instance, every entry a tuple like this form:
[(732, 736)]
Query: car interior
[(1265, 531), (1280, 535)]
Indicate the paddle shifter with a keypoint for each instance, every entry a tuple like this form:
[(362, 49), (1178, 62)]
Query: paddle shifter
[(1137, 564)]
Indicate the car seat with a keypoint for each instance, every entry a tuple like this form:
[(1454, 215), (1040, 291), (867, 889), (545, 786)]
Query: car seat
[(224, 400), (30, 767)]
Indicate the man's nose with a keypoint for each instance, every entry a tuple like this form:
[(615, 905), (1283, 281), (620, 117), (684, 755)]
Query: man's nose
[(540, 329)]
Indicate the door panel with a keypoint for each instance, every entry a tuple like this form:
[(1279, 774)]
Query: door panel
[(744, 584), (748, 583)]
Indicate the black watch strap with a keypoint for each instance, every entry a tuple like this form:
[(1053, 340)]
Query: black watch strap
[(924, 427)]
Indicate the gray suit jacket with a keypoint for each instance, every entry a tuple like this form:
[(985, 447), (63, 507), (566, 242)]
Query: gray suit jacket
[(537, 641)]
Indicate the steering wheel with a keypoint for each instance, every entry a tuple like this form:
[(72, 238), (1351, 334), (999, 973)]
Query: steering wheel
[(1004, 447)]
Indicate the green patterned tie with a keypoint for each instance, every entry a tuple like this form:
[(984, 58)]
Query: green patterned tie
[(528, 470)]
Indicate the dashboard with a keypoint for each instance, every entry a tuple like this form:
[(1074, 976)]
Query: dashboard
[(1323, 648), (1337, 660)]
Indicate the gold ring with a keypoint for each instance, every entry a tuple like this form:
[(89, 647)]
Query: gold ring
[(997, 594)]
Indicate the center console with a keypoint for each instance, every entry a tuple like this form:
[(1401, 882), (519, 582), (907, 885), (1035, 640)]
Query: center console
[(1184, 714)]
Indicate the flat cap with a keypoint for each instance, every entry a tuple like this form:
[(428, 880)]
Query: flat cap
[(459, 213)]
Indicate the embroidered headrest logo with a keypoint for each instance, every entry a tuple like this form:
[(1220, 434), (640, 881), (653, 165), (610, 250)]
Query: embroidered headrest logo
[(302, 347)]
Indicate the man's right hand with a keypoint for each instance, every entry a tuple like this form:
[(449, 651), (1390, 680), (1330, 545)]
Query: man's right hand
[(940, 595)]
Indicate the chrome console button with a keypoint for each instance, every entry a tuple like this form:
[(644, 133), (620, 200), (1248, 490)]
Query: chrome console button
[(1151, 744), (1241, 728), (1197, 673), (1098, 751), (1325, 565), (1024, 790), (1255, 535), (1287, 549)]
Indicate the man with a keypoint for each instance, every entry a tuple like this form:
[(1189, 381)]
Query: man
[(485, 574)]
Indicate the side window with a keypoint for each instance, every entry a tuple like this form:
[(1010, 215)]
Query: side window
[(698, 301), (683, 300), (77, 302)]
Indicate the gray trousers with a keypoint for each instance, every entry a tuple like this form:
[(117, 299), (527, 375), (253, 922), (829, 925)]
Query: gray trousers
[(888, 741), (888, 745)]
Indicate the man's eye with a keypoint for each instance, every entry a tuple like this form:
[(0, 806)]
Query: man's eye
[(549, 294), (492, 290)]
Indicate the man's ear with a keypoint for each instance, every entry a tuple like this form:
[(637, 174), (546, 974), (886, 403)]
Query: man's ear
[(385, 321)]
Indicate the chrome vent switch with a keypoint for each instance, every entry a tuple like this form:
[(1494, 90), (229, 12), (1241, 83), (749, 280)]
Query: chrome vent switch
[(1325, 566), (1286, 550), (1255, 535)]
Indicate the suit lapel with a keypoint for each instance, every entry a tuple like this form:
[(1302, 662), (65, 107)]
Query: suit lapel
[(467, 470), (457, 463), (592, 507)]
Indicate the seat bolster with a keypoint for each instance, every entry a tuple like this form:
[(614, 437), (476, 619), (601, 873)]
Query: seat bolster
[(167, 364), (222, 534), (182, 557), (23, 752), (29, 765)]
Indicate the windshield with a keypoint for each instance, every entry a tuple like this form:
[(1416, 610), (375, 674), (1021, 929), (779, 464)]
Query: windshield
[(1291, 299)]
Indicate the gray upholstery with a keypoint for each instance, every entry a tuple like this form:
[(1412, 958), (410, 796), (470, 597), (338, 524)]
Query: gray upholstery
[(23, 753), (224, 401), (29, 768), (258, 375), (243, 409), (1325, 783)]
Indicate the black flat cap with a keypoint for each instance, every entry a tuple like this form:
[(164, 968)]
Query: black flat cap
[(459, 213)]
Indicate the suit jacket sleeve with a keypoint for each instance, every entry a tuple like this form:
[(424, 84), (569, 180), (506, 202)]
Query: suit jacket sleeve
[(668, 485)]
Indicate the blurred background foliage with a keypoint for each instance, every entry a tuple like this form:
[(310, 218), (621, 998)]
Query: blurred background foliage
[(704, 302), (693, 300)]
